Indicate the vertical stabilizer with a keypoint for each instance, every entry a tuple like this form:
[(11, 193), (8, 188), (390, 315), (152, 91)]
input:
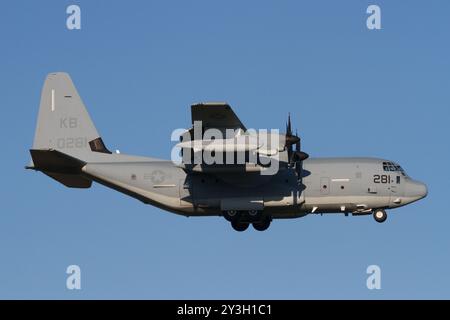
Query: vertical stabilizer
[(63, 121)]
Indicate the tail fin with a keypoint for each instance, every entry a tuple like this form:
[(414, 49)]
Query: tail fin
[(65, 137), (63, 122)]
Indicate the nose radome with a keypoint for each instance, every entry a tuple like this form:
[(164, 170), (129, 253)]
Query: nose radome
[(424, 190), (416, 190)]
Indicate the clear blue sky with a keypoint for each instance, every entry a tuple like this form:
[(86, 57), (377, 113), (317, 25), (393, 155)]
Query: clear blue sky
[(140, 64)]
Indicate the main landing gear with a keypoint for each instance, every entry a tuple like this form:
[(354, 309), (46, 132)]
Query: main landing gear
[(239, 226), (379, 215), (240, 220), (262, 225)]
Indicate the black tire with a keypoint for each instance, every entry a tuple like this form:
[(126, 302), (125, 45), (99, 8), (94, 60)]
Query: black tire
[(261, 225), (239, 226), (379, 215)]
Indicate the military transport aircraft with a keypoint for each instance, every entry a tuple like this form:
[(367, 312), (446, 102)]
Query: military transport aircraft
[(68, 148)]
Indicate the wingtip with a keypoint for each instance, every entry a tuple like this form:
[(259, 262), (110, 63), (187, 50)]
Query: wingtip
[(57, 74)]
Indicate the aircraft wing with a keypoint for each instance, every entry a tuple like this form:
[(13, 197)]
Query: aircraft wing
[(221, 116), (216, 115)]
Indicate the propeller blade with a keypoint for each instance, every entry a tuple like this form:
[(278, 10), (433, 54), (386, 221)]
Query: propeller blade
[(288, 126), (297, 144)]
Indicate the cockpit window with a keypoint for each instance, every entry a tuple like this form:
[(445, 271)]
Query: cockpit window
[(390, 166)]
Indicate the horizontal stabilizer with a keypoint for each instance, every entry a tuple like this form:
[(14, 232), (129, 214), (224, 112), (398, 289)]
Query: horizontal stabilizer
[(60, 166), (55, 161), (70, 180)]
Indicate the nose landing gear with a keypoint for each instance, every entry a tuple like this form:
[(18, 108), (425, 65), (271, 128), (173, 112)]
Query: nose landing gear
[(379, 215)]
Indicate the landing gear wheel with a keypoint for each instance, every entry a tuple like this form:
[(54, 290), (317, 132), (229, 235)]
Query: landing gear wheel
[(253, 213), (380, 215), (261, 225), (230, 215), (239, 226)]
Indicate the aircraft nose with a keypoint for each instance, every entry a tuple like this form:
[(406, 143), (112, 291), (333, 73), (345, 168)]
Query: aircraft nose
[(416, 190)]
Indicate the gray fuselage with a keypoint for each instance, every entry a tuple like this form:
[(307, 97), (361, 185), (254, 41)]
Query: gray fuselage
[(328, 185)]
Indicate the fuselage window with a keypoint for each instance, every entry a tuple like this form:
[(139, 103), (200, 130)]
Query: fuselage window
[(389, 166)]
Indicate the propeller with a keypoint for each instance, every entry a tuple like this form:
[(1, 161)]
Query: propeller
[(290, 138), (294, 156)]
